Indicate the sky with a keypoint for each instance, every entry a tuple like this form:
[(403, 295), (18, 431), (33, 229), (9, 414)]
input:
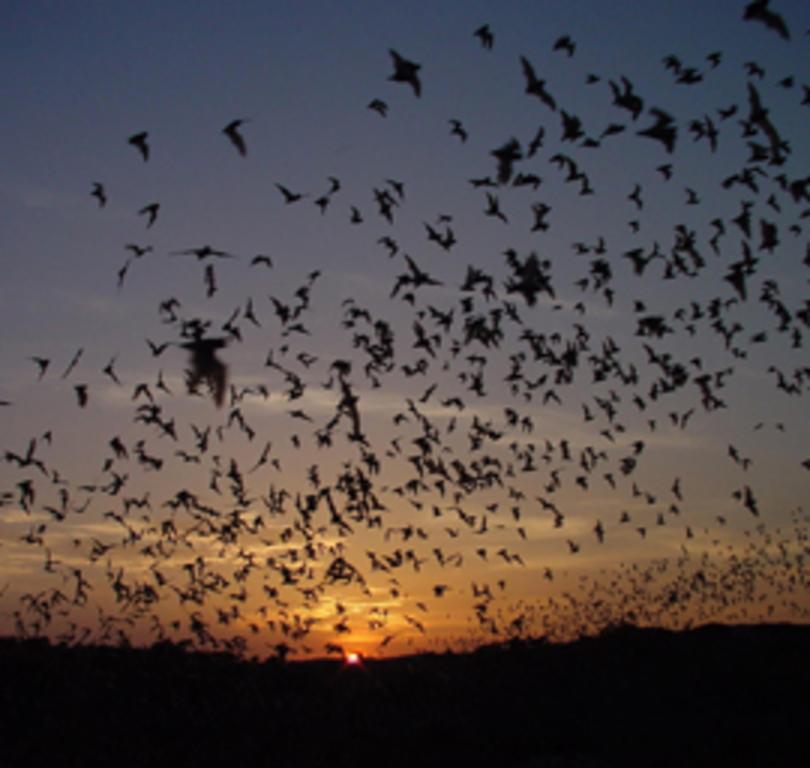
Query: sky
[(579, 444)]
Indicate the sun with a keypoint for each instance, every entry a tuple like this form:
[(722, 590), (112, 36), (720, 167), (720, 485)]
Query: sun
[(353, 659)]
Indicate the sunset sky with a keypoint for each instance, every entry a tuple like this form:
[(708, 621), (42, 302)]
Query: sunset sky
[(475, 505)]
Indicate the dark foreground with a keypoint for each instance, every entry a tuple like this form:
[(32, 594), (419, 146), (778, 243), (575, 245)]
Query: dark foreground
[(712, 696)]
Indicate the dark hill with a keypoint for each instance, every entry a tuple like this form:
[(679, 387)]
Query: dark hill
[(630, 697)]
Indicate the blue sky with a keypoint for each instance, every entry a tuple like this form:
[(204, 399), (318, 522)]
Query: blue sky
[(81, 80)]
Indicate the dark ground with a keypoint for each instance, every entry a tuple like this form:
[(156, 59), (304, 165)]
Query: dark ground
[(717, 696)]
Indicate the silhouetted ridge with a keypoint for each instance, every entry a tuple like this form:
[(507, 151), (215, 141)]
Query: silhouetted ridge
[(627, 697)]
